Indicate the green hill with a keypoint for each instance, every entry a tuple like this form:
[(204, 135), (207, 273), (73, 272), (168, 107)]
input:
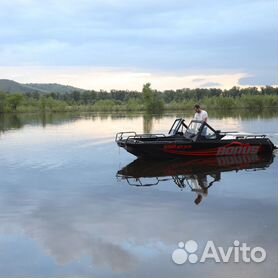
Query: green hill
[(53, 87), (10, 86)]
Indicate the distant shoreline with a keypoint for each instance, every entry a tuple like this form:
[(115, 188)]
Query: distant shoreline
[(148, 100)]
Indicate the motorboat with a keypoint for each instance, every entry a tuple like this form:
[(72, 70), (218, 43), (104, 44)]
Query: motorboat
[(198, 139)]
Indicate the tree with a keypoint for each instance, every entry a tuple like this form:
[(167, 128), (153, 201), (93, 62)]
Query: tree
[(76, 96), (2, 102), (152, 102), (14, 100)]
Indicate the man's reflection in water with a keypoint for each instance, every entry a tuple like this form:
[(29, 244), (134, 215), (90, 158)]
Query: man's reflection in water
[(200, 185), (197, 183)]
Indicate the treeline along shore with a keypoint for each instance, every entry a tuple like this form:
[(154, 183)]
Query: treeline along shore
[(146, 100)]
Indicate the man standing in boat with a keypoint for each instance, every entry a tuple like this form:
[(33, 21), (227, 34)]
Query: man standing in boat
[(200, 115)]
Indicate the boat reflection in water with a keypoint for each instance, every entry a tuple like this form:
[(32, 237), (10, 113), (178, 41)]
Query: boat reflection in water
[(197, 174)]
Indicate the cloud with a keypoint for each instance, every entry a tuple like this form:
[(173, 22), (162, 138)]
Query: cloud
[(198, 79), (117, 78), (210, 84), (180, 37)]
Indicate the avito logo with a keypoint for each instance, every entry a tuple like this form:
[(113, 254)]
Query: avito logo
[(236, 253)]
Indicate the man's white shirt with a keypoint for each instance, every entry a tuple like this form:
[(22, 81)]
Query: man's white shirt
[(202, 116)]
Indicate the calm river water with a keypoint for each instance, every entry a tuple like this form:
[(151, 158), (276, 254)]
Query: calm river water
[(73, 204)]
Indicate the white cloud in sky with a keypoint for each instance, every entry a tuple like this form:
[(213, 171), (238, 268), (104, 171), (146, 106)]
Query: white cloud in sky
[(176, 38)]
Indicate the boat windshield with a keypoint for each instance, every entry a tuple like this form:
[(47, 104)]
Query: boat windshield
[(203, 129), (194, 127), (175, 127)]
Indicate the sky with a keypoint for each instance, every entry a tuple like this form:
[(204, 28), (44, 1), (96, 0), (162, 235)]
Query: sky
[(122, 44)]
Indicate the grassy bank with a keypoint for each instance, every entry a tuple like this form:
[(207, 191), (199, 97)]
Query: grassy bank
[(219, 103)]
